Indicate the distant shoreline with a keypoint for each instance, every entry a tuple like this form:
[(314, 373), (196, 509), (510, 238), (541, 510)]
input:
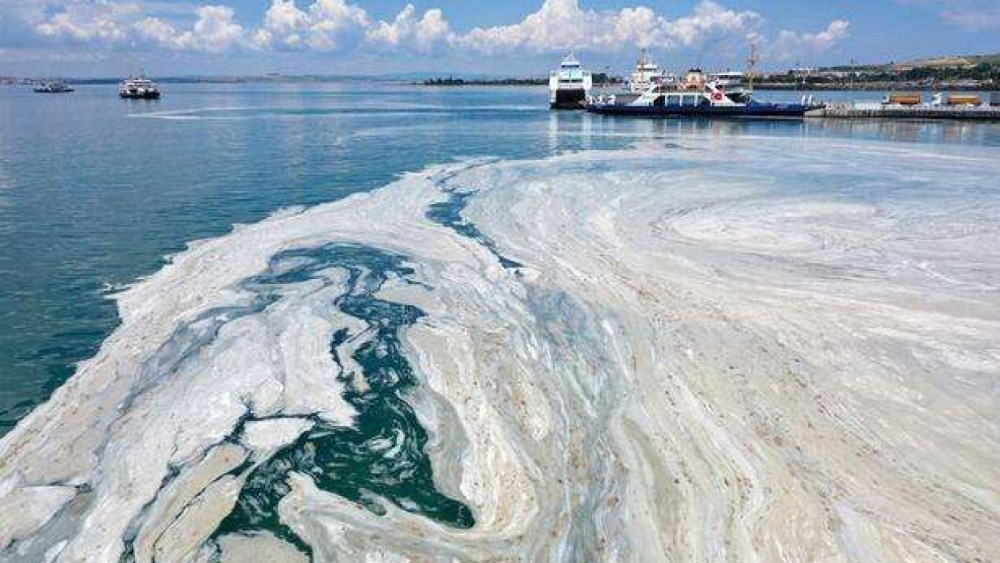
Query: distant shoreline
[(609, 83), (948, 73)]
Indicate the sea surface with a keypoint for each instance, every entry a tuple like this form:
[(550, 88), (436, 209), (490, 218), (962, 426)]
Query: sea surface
[(97, 193)]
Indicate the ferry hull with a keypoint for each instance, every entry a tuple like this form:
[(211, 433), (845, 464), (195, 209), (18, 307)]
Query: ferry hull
[(144, 96), (569, 99), (747, 111)]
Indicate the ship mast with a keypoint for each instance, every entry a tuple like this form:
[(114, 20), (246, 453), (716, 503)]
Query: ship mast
[(752, 63)]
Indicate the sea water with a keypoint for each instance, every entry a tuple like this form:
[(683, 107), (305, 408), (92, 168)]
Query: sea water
[(96, 193)]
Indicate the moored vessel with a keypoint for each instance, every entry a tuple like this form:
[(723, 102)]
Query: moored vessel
[(724, 94), (569, 87), (53, 87), (713, 99), (139, 88)]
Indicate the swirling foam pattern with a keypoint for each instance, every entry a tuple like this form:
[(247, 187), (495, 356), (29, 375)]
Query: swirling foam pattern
[(724, 349)]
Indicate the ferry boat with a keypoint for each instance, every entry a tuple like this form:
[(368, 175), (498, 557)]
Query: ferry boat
[(138, 88), (53, 87), (726, 94), (714, 98), (646, 74), (569, 87)]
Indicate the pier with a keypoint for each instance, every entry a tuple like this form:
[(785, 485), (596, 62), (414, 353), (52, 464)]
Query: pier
[(879, 111)]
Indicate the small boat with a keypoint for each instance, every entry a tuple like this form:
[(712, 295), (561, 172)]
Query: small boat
[(53, 87), (569, 87), (138, 88)]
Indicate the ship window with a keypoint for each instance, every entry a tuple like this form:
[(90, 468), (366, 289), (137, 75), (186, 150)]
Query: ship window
[(673, 101)]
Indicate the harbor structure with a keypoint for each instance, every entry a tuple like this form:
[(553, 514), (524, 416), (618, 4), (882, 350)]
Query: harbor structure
[(982, 112)]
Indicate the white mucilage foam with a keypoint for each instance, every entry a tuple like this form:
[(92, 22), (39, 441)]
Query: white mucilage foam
[(750, 349)]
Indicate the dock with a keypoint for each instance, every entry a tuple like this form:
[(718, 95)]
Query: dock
[(880, 111)]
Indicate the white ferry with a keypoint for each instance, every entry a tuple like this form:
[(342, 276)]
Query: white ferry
[(646, 74), (701, 95), (138, 88), (569, 87), (695, 97), (53, 87)]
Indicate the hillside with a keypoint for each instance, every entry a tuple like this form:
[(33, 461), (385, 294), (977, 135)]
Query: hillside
[(951, 61)]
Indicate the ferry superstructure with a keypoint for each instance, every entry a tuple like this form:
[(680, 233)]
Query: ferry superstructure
[(569, 87), (646, 74), (139, 88)]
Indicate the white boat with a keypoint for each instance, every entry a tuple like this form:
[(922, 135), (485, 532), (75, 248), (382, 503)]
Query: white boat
[(569, 87), (139, 88), (53, 87), (646, 74)]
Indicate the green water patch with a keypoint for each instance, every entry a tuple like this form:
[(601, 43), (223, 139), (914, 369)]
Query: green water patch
[(382, 457), (449, 214)]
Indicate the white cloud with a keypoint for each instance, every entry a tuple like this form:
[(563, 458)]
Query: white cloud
[(282, 25), (156, 30), (790, 45), (213, 32), (328, 25), (710, 20), (100, 21), (422, 34), (214, 29), (338, 26), (563, 25)]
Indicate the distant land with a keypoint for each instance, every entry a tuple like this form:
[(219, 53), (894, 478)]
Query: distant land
[(960, 72), (952, 72)]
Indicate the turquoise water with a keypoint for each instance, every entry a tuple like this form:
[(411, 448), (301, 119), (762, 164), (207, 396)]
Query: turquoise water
[(95, 191)]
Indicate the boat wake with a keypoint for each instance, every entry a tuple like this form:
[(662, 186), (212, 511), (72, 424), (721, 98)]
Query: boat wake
[(720, 348), (382, 109)]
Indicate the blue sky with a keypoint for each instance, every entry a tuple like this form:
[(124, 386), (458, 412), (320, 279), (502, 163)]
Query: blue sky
[(109, 37)]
